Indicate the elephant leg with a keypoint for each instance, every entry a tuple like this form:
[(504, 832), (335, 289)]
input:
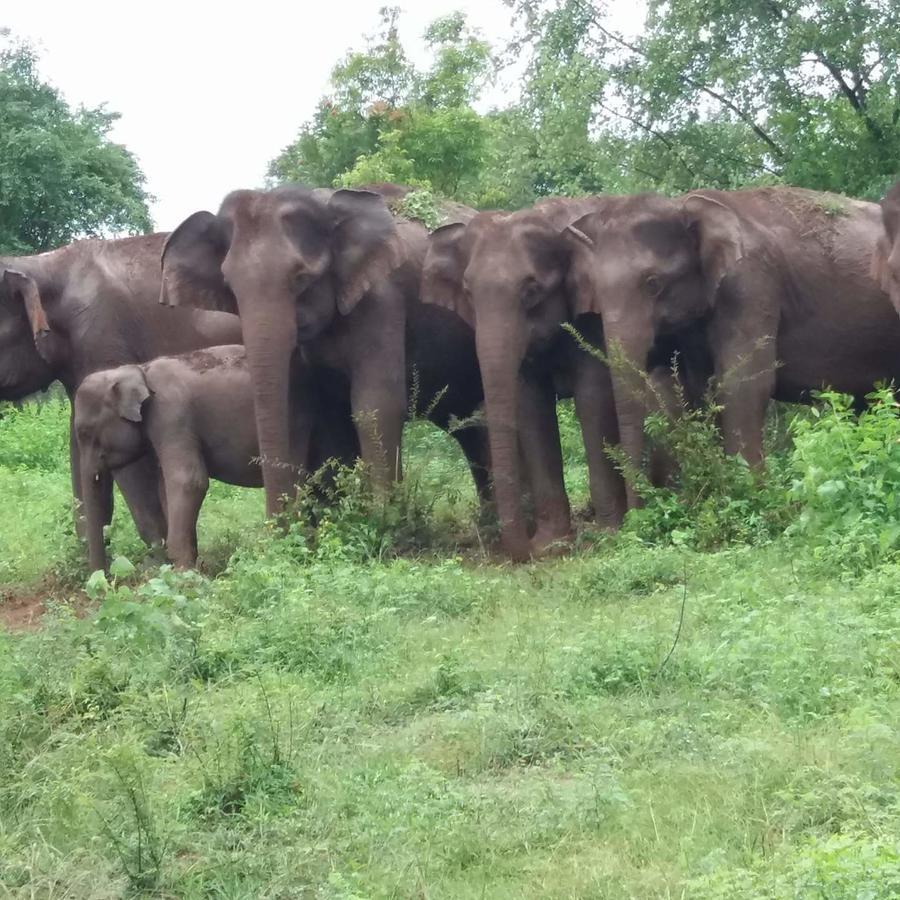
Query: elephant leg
[(104, 487), (186, 481), (539, 436), (596, 410), (745, 370), (139, 484)]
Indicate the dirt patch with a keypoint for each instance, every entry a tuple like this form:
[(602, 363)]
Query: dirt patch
[(21, 609)]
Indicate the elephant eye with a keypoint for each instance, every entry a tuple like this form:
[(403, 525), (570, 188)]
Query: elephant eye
[(653, 285), (531, 294)]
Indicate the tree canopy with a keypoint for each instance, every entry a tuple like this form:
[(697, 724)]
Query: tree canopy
[(61, 176), (721, 94)]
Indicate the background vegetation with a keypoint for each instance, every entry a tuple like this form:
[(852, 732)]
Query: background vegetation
[(721, 94), (704, 705)]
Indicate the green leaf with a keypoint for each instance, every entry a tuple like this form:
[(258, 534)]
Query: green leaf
[(121, 567)]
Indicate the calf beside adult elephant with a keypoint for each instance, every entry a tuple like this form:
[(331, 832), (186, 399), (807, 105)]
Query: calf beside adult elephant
[(775, 282), (329, 278), (88, 306), (194, 414)]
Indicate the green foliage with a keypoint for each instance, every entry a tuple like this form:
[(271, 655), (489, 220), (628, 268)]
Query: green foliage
[(726, 95), (847, 480), (715, 499), (60, 174), (35, 435), (349, 715), (386, 120)]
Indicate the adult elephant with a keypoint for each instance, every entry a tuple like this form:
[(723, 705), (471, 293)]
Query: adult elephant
[(776, 281), (88, 306), (328, 282), (509, 277)]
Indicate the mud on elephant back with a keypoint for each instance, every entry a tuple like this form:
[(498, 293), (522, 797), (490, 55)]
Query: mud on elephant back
[(774, 282)]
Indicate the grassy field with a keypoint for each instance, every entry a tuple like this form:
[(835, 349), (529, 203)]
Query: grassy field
[(357, 715)]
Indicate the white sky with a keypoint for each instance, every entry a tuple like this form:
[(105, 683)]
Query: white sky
[(209, 92)]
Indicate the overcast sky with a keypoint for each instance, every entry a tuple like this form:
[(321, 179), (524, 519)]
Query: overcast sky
[(208, 95)]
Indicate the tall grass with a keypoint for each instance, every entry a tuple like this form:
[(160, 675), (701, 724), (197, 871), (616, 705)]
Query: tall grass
[(377, 710)]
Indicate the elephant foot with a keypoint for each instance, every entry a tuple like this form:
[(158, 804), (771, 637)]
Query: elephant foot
[(611, 523), (550, 540)]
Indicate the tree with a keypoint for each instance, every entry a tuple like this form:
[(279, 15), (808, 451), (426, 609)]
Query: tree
[(385, 120), (61, 176), (733, 92)]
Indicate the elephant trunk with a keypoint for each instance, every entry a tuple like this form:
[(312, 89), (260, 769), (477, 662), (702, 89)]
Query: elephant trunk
[(95, 486), (270, 344), (628, 345), (500, 363)]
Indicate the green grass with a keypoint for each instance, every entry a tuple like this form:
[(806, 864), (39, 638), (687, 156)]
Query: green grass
[(314, 723)]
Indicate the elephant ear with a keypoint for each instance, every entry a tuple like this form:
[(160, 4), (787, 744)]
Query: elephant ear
[(366, 245), (192, 264), (886, 256), (442, 272), (881, 269), (580, 237), (129, 391), (720, 238), (24, 288)]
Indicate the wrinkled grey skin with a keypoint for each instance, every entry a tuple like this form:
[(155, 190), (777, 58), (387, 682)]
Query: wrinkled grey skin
[(89, 306), (509, 276), (194, 414), (775, 281), (886, 257), (329, 279)]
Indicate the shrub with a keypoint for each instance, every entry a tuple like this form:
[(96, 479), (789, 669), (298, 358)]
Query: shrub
[(715, 499), (846, 478)]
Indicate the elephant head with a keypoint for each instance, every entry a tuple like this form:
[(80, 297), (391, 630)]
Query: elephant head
[(291, 262), (506, 275), (650, 266), (108, 421), (25, 358), (886, 259)]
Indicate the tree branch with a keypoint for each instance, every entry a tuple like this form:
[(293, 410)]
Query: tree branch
[(745, 117), (651, 131), (856, 98)]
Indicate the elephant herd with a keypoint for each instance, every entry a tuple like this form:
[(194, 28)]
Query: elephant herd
[(298, 325)]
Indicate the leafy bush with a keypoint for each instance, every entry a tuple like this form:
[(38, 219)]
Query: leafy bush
[(716, 499), (846, 478)]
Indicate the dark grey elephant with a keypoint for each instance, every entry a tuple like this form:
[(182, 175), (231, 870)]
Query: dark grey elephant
[(89, 306), (328, 281), (510, 277), (775, 282)]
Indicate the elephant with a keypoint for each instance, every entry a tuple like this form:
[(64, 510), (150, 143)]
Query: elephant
[(886, 257), (194, 414), (508, 275), (329, 278), (88, 306), (775, 283)]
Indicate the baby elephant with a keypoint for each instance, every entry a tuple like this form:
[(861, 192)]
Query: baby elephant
[(195, 412)]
